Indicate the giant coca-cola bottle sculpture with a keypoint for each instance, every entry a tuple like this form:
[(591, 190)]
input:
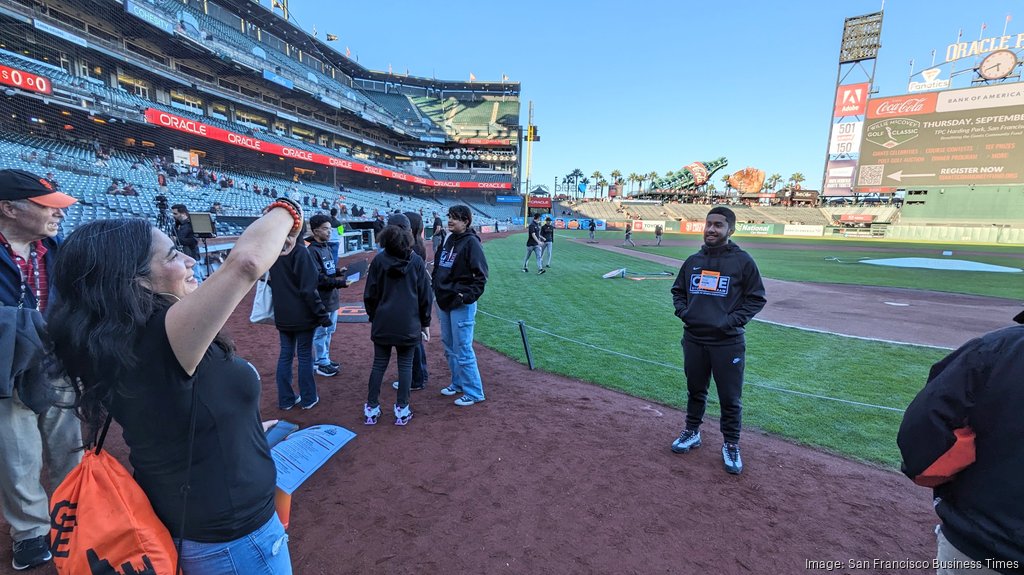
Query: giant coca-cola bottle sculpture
[(690, 176)]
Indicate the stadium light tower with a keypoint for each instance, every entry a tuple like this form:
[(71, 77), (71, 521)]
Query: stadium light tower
[(855, 76)]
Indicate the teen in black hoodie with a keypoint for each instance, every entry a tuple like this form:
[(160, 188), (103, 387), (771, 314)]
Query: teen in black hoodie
[(298, 310), (397, 298), (718, 291), (460, 274)]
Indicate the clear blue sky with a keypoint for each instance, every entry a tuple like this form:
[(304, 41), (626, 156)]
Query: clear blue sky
[(652, 86)]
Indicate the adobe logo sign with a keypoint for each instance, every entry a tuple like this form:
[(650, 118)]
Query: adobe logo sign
[(899, 106), (851, 100)]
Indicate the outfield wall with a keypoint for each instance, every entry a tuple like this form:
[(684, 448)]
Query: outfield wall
[(985, 235), (1002, 205)]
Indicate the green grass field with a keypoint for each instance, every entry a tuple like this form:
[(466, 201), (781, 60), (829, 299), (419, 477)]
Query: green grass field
[(583, 315), (812, 260)]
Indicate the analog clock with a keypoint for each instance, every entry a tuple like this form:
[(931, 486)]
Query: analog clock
[(998, 64)]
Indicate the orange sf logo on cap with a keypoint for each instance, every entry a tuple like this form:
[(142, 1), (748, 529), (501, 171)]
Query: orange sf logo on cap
[(45, 184)]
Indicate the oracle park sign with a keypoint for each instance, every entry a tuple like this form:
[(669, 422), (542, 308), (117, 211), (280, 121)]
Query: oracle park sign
[(972, 136)]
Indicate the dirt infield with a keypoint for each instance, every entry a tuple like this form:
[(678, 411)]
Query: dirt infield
[(920, 317), (555, 476)]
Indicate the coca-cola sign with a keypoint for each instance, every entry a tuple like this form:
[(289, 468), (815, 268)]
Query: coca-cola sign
[(902, 106)]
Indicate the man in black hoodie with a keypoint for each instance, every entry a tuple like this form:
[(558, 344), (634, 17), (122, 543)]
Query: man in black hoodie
[(717, 292), (963, 436), (460, 274)]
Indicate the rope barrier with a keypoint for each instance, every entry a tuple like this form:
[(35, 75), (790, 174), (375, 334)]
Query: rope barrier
[(678, 368)]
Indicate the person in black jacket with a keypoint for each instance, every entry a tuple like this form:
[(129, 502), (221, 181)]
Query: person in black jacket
[(460, 275), (397, 299), (717, 292), (420, 374), (298, 310), (183, 231), (963, 436), (329, 279)]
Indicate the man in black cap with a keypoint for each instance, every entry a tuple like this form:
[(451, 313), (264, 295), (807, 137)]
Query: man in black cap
[(718, 291), (30, 215)]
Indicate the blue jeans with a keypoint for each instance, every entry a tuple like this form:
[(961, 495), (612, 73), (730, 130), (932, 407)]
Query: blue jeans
[(546, 251), (420, 375), (262, 552), (533, 250), (302, 341), (322, 341), (457, 337)]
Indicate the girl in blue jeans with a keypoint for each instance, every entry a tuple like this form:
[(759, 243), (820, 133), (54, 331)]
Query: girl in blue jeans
[(460, 275)]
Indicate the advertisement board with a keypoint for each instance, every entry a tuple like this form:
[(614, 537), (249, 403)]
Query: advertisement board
[(802, 230), (845, 138), (508, 199), (25, 80), (755, 229), (148, 15), (857, 218), (539, 202), (851, 100), (958, 137), (577, 224), (839, 178), (210, 132), (691, 227), (647, 225)]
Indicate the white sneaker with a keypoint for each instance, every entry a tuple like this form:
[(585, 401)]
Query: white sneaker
[(372, 414), (402, 415)]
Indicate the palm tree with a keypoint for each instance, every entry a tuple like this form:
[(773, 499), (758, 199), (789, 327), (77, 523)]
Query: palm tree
[(774, 179), (728, 186), (602, 183), (796, 179), (598, 177), (632, 178), (651, 177), (616, 178)]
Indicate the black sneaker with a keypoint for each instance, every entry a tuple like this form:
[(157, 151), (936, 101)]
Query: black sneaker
[(542, 270), (335, 365), (326, 370), (298, 399), (525, 270), (31, 553), (687, 440), (311, 405), (731, 458)]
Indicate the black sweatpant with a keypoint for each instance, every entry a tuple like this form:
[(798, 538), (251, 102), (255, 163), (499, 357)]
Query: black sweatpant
[(381, 359), (725, 362)]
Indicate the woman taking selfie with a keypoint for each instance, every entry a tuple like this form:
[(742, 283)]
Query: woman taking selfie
[(142, 342)]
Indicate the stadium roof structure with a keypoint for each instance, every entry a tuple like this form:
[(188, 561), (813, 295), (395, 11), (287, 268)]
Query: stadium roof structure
[(265, 18)]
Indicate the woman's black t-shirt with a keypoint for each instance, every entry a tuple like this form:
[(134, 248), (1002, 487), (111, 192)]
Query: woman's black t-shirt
[(233, 476)]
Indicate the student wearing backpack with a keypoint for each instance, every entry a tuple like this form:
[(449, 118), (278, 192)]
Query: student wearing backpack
[(137, 349)]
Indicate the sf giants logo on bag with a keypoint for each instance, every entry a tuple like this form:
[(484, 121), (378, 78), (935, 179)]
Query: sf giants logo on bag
[(62, 523), (101, 523), (63, 520)]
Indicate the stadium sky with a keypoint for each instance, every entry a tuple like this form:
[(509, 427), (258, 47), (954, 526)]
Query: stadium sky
[(652, 86)]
